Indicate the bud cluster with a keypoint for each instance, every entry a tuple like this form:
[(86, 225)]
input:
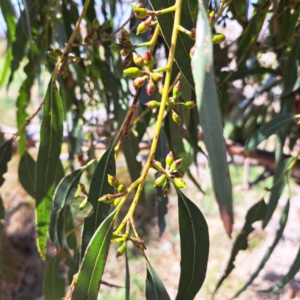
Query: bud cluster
[(172, 170), (173, 102), (66, 59), (97, 31), (146, 74), (116, 197)]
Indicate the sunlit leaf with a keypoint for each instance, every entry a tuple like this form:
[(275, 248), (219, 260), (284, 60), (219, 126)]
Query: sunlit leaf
[(282, 223), (267, 129), (5, 157), (210, 118), (94, 260), (155, 289), (194, 248), (256, 213)]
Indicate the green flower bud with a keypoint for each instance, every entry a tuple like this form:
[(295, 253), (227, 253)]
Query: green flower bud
[(158, 163), (176, 89), (119, 240), (113, 181), (96, 24), (160, 88), (166, 188), (108, 198), (160, 180), (125, 35), (177, 164), (218, 38), (125, 236), (83, 203), (150, 88), (115, 47), (143, 27), (153, 104), (121, 188), (125, 51), (121, 250), (211, 16), (105, 37), (140, 81), (139, 242), (106, 24), (140, 12), (137, 59), (127, 61), (169, 160), (175, 117), (188, 104), (148, 58), (133, 72), (117, 201), (57, 52), (156, 76), (179, 182), (81, 188)]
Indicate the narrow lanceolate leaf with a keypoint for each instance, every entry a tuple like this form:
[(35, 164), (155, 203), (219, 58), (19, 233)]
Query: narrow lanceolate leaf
[(279, 183), (63, 196), (194, 243), (99, 187), (5, 157), (127, 277), (26, 172), (287, 277), (255, 213), (155, 289), (282, 223), (48, 162), (210, 118), (267, 129), (54, 285), (94, 260)]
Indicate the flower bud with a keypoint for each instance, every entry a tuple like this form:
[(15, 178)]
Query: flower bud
[(148, 58), (175, 117), (127, 61), (121, 188), (115, 47), (166, 188), (192, 51), (133, 72), (83, 203), (177, 173), (108, 198), (105, 37), (117, 201), (138, 59), (81, 188), (179, 182), (188, 104), (113, 181), (143, 27), (125, 51), (125, 35), (121, 250), (140, 12), (106, 24), (156, 76), (177, 164), (218, 38), (140, 81), (176, 89), (152, 104), (169, 160), (96, 24), (150, 88), (119, 240), (158, 163), (125, 236), (160, 180), (160, 88), (193, 33), (211, 16), (57, 52), (139, 242)]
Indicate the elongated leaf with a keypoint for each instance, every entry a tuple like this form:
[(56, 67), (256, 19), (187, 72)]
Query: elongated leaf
[(63, 197), (267, 129), (99, 186), (194, 243), (54, 285), (94, 260), (282, 223), (5, 157), (184, 43), (210, 118), (127, 277), (2, 216), (255, 213), (279, 185), (26, 172), (51, 135), (288, 276), (155, 289)]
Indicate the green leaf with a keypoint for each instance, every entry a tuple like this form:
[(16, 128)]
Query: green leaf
[(155, 289), (127, 277), (194, 241), (54, 285), (267, 129), (63, 197), (26, 172), (9, 15), (279, 183), (2, 216), (282, 223), (5, 157), (184, 43), (288, 276), (99, 186), (210, 118), (291, 79), (94, 260), (256, 213)]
